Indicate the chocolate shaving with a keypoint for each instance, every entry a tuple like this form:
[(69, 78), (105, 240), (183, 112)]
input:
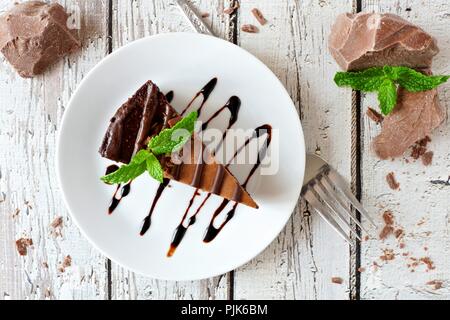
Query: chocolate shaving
[(337, 280), (58, 222), (374, 115), (22, 245), (437, 284), (392, 182), (249, 28), (259, 16)]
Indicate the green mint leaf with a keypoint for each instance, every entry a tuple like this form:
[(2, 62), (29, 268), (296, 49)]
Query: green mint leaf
[(415, 81), (154, 168), (173, 139), (387, 96), (368, 80), (130, 171)]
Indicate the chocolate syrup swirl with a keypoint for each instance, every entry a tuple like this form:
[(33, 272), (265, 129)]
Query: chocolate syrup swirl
[(205, 93)]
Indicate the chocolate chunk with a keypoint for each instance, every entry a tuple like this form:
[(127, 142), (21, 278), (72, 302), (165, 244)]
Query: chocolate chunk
[(34, 35), (415, 116), (364, 40)]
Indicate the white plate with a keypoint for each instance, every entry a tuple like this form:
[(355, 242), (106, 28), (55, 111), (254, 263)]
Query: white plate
[(182, 62)]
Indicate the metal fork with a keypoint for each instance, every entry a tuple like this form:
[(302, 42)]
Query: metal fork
[(329, 196)]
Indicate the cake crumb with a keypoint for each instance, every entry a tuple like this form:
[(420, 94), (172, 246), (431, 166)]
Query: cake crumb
[(22, 245), (361, 269), (205, 15), (392, 182), (337, 280)]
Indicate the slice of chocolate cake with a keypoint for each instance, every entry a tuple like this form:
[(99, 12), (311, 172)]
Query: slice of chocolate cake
[(144, 115)]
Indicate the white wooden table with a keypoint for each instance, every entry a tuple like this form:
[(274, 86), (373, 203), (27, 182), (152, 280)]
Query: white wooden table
[(307, 254)]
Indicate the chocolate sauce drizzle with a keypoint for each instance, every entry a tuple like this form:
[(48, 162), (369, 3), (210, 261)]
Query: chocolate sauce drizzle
[(212, 232), (233, 105), (148, 219), (205, 92), (124, 190)]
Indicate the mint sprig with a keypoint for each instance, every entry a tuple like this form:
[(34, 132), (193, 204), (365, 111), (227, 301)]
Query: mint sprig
[(385, 80), (166, 142)]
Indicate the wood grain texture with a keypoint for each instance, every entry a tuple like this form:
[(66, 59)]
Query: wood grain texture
[(421, 208), (134, 20), (31, 113), (308, 253)]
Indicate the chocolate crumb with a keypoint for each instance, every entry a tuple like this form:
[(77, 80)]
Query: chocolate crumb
[(387, 230), (388, 218), (45, 265), (429, 263), (427, 158), (402, 246), (420, 148), (399, 233), (67, 261), (392, 182), (259, 16), (437, 284), (22, 245), (337, 280), (57, 222), (388, 255), (425, 248), (249, 28), (374, 115), (366, 238), (205, 15)]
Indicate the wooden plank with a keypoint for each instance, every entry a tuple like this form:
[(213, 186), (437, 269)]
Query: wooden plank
[(29, 197), (134, 20), (420, 207), (307, 254)]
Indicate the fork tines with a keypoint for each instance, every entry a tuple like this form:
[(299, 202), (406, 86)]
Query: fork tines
[(329, 196)]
